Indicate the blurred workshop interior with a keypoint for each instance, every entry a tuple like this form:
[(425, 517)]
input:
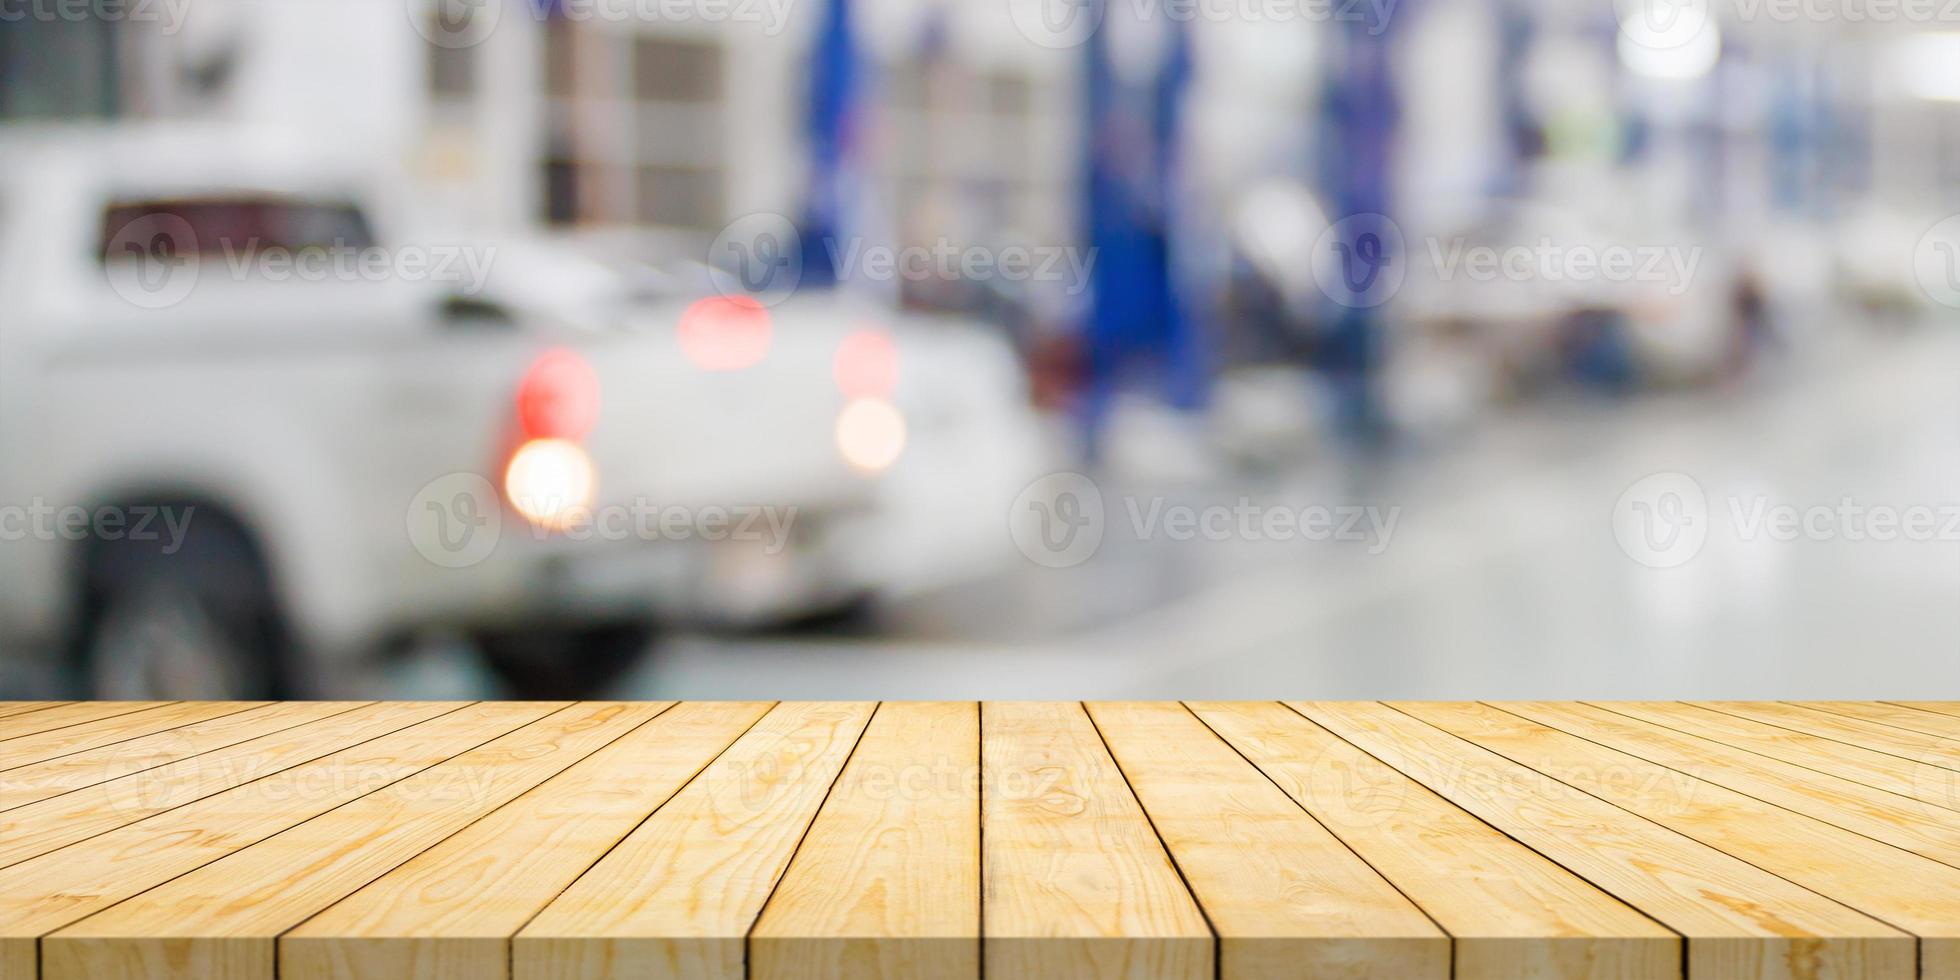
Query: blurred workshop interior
[(1006, 349)]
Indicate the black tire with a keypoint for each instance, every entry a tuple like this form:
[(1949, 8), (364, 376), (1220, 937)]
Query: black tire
[(565, 662), (198, 621)]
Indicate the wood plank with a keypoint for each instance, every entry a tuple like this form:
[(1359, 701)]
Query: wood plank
[(1514, 915), (48, 892), (1888, 817), (1856, 763), (1740, 921), (678, 896), (1930, 750), (449, 913), (38, 828), (1282, 893), (71, 713), (30, 749), (1902, 889), (1895, 715), (34, 783), (8, 709), (1937, 707), (1074, 879), (887, 881), (223, 919)]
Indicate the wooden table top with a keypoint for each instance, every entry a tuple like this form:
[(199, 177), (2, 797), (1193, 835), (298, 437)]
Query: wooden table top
[(1813, 841)]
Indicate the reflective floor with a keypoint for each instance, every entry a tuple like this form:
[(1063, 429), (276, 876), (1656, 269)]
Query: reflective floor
[(1506, 575)]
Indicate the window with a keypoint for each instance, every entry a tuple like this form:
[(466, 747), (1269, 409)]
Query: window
[(221, 226)]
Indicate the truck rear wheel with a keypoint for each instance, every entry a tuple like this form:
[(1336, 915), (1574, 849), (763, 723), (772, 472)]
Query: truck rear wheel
[(196, 622), (557, 662)]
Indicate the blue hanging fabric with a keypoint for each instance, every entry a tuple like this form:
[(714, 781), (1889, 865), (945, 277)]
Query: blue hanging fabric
[(1137, 323), (832, 125), (1360, 115)]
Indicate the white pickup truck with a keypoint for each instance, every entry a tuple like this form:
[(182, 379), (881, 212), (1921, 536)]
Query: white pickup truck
[(246, 435)]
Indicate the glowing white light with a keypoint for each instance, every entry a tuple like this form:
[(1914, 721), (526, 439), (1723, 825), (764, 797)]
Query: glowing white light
[(1672, 40), (1928, 66), (549, 481), (870, 434)]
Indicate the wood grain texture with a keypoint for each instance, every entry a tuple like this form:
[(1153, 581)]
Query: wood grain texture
[(223, 918), (678, 896), (593, 840), (449, 913), (1281, 892), (1928, 784), (1740, 921), (1851, 868), (1513, 914), (120, 800), (50, 891), (1075, 880), (1896, 715), (1888, 817), (33, 783), (30, 749), (63, 715), (887, 881), (9, 709)]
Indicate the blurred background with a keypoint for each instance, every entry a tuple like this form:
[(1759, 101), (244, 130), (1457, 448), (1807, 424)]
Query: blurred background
[(1007, 349)]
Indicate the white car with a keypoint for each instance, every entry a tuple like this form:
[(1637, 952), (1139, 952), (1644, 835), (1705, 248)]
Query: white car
[(932, 411), (246, 435)]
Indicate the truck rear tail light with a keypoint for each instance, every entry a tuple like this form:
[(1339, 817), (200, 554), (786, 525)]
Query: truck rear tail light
[(550, 482), (559, 397)]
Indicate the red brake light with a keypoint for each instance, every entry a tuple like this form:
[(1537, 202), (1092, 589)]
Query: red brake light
[(866, 365), (726, 333), (559, 397)]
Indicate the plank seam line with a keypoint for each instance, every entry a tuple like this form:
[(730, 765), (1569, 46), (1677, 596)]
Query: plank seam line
[(85, 721), (1666, 829), (247, 707), (1439, 794), (510, 949), (42, 939), (1812, 706), (1721, 785), (42, 706), (1217, 941), (1215, 733), (480, 817), (1828, 738), (1910, 707), (748, 934), (1607, 706), (269, 775), (195, 755), (980, 835), (1502, 832)]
